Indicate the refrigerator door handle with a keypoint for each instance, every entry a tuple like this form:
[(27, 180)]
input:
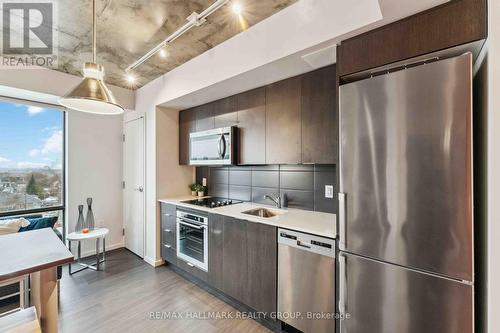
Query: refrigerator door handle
[(342, 221), (342, 288)]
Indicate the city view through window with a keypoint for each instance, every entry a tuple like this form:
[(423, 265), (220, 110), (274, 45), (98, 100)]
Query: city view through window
[(31, 157)]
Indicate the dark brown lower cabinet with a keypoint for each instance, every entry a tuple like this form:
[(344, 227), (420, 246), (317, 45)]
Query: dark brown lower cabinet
[(243, 261), (234, 261), (215, 244), (168, 233), (262, 266), (242, 258)]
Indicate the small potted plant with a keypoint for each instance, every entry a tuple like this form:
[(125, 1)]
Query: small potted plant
[(200, 189), (194, 189)]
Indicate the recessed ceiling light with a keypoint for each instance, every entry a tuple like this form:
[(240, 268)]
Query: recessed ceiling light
[(163, 53), (130, 78), (237, 8)]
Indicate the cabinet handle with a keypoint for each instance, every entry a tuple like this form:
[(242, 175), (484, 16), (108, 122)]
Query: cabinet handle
[(168, 230), (167, 246), (190, 264)]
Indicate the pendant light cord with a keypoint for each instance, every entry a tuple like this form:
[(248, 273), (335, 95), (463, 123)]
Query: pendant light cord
[(94, 33)]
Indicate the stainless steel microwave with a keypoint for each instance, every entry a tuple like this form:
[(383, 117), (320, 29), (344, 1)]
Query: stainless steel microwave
[(213, 147)]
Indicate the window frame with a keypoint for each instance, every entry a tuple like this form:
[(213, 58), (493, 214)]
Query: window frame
[(62, 207)]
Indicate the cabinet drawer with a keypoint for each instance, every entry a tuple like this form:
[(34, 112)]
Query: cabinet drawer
[(193, 270), (168, 237), (168, 254), (168, 209), (168, 222)]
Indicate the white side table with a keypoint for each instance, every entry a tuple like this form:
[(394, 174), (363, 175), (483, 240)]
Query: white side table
[(97, 234)]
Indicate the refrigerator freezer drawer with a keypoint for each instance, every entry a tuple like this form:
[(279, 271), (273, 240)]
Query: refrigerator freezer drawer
[(385, 298)]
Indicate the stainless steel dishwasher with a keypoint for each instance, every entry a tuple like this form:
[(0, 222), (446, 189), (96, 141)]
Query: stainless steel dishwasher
[(306, 281)]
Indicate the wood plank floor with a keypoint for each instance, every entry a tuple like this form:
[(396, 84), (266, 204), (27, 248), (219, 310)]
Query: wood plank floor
[(122, 297)]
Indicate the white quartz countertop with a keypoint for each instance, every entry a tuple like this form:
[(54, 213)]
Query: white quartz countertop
[(316, 223)]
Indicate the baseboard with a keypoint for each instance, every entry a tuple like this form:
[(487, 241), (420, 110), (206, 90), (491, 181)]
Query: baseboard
[(92, 252), (152, 262)]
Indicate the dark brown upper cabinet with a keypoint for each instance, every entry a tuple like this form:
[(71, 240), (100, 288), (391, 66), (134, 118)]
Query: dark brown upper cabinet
[(225, 112), (283, 122), (450, 24), (251, 107), (289, 122), (187, 124), (319, 128), (205, 116)]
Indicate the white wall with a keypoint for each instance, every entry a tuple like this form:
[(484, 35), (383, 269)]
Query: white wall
[(493, 167), (93, 147), (164, 176), (171, 179), (95, 169)]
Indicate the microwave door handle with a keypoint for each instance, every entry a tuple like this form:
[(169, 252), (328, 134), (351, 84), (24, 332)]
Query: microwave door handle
[(219, 146), (223, 151)]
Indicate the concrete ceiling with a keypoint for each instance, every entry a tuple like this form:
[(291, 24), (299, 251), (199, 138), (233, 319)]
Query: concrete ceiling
[(127, 29)]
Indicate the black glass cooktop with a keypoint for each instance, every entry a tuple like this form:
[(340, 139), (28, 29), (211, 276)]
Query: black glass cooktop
[(212, 202)]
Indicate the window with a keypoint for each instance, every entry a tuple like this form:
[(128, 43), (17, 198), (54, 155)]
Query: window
[(31, 159)]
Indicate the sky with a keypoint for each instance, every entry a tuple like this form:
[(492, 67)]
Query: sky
[(30, 137)]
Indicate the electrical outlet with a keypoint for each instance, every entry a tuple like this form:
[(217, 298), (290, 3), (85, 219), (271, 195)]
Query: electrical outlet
[(204, 182), (329, 191)]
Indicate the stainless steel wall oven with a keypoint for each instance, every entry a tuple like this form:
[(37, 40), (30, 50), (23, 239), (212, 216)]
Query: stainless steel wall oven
[(192, 238)]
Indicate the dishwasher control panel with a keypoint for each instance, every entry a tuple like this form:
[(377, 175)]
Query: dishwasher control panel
[(312, 243)]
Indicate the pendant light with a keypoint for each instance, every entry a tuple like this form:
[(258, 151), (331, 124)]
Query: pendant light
[(92, 95)]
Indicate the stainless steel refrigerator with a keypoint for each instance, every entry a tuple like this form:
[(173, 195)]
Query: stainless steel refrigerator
[(405, 207)]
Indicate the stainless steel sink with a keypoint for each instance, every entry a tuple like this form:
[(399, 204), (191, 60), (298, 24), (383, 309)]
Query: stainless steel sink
[(260, 212)]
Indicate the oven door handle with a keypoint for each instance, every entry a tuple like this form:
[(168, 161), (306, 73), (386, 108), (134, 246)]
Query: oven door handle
[(199, 227)]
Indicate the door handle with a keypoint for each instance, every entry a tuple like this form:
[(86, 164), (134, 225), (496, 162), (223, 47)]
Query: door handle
[(140, 189), (342, 220)]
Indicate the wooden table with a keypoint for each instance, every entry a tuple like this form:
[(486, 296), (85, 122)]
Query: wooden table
[(38, 253)]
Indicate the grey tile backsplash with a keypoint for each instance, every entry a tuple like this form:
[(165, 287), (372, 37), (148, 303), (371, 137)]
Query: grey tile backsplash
[(301, 186)]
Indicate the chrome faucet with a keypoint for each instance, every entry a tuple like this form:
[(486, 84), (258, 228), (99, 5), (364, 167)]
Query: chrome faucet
[(276, 200)]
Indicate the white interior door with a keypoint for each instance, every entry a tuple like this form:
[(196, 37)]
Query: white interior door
[(134, 186)]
